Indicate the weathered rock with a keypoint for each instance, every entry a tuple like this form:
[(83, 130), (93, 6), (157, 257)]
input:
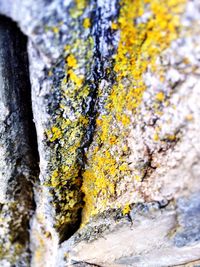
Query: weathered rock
[(18, 147), (115, 86)]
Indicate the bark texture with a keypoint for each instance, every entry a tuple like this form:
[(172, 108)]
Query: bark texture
[(115, 89)]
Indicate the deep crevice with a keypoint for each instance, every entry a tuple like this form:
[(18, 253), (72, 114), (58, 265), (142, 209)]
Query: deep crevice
[(17, 131), (102, 35), (93, 80)]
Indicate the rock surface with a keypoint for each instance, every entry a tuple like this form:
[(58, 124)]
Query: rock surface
[(18, 149), (115, 89)]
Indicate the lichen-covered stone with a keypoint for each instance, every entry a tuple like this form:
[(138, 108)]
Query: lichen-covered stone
[(114, 95)]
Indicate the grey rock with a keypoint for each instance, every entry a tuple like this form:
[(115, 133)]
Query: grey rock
[(188, 212), (18, 146)]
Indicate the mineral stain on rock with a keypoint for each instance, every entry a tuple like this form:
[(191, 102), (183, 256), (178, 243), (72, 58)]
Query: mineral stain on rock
[(18, 147)]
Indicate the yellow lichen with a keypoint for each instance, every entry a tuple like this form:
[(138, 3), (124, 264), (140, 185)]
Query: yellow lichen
[(141, 42), (156, 137), (171, 137), (86, 23), (55, 30), (160, 96), (81, 4), (68, 133), (126, 209), (71, 61), (114, 26), (78, 9), (78, 80), (54, 134)]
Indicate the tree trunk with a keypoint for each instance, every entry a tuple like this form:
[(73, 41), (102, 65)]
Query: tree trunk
[(106, 172)]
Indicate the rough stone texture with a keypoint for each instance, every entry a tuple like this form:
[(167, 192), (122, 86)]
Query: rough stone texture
[(115, 88), (18, 149)]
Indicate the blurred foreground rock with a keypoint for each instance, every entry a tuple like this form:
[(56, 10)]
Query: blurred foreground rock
[(115, 89)]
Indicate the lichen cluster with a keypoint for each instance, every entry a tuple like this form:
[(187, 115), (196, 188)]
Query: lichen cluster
[(69, 130), (146, 29)]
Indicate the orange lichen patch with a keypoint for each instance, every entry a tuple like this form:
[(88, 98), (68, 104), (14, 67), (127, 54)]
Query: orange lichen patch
[(189, 117), (113, 139), (142, 40)]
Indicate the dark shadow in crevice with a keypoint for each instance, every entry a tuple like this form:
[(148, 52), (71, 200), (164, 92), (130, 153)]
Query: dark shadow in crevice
[(18, 133), (17, 93)]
